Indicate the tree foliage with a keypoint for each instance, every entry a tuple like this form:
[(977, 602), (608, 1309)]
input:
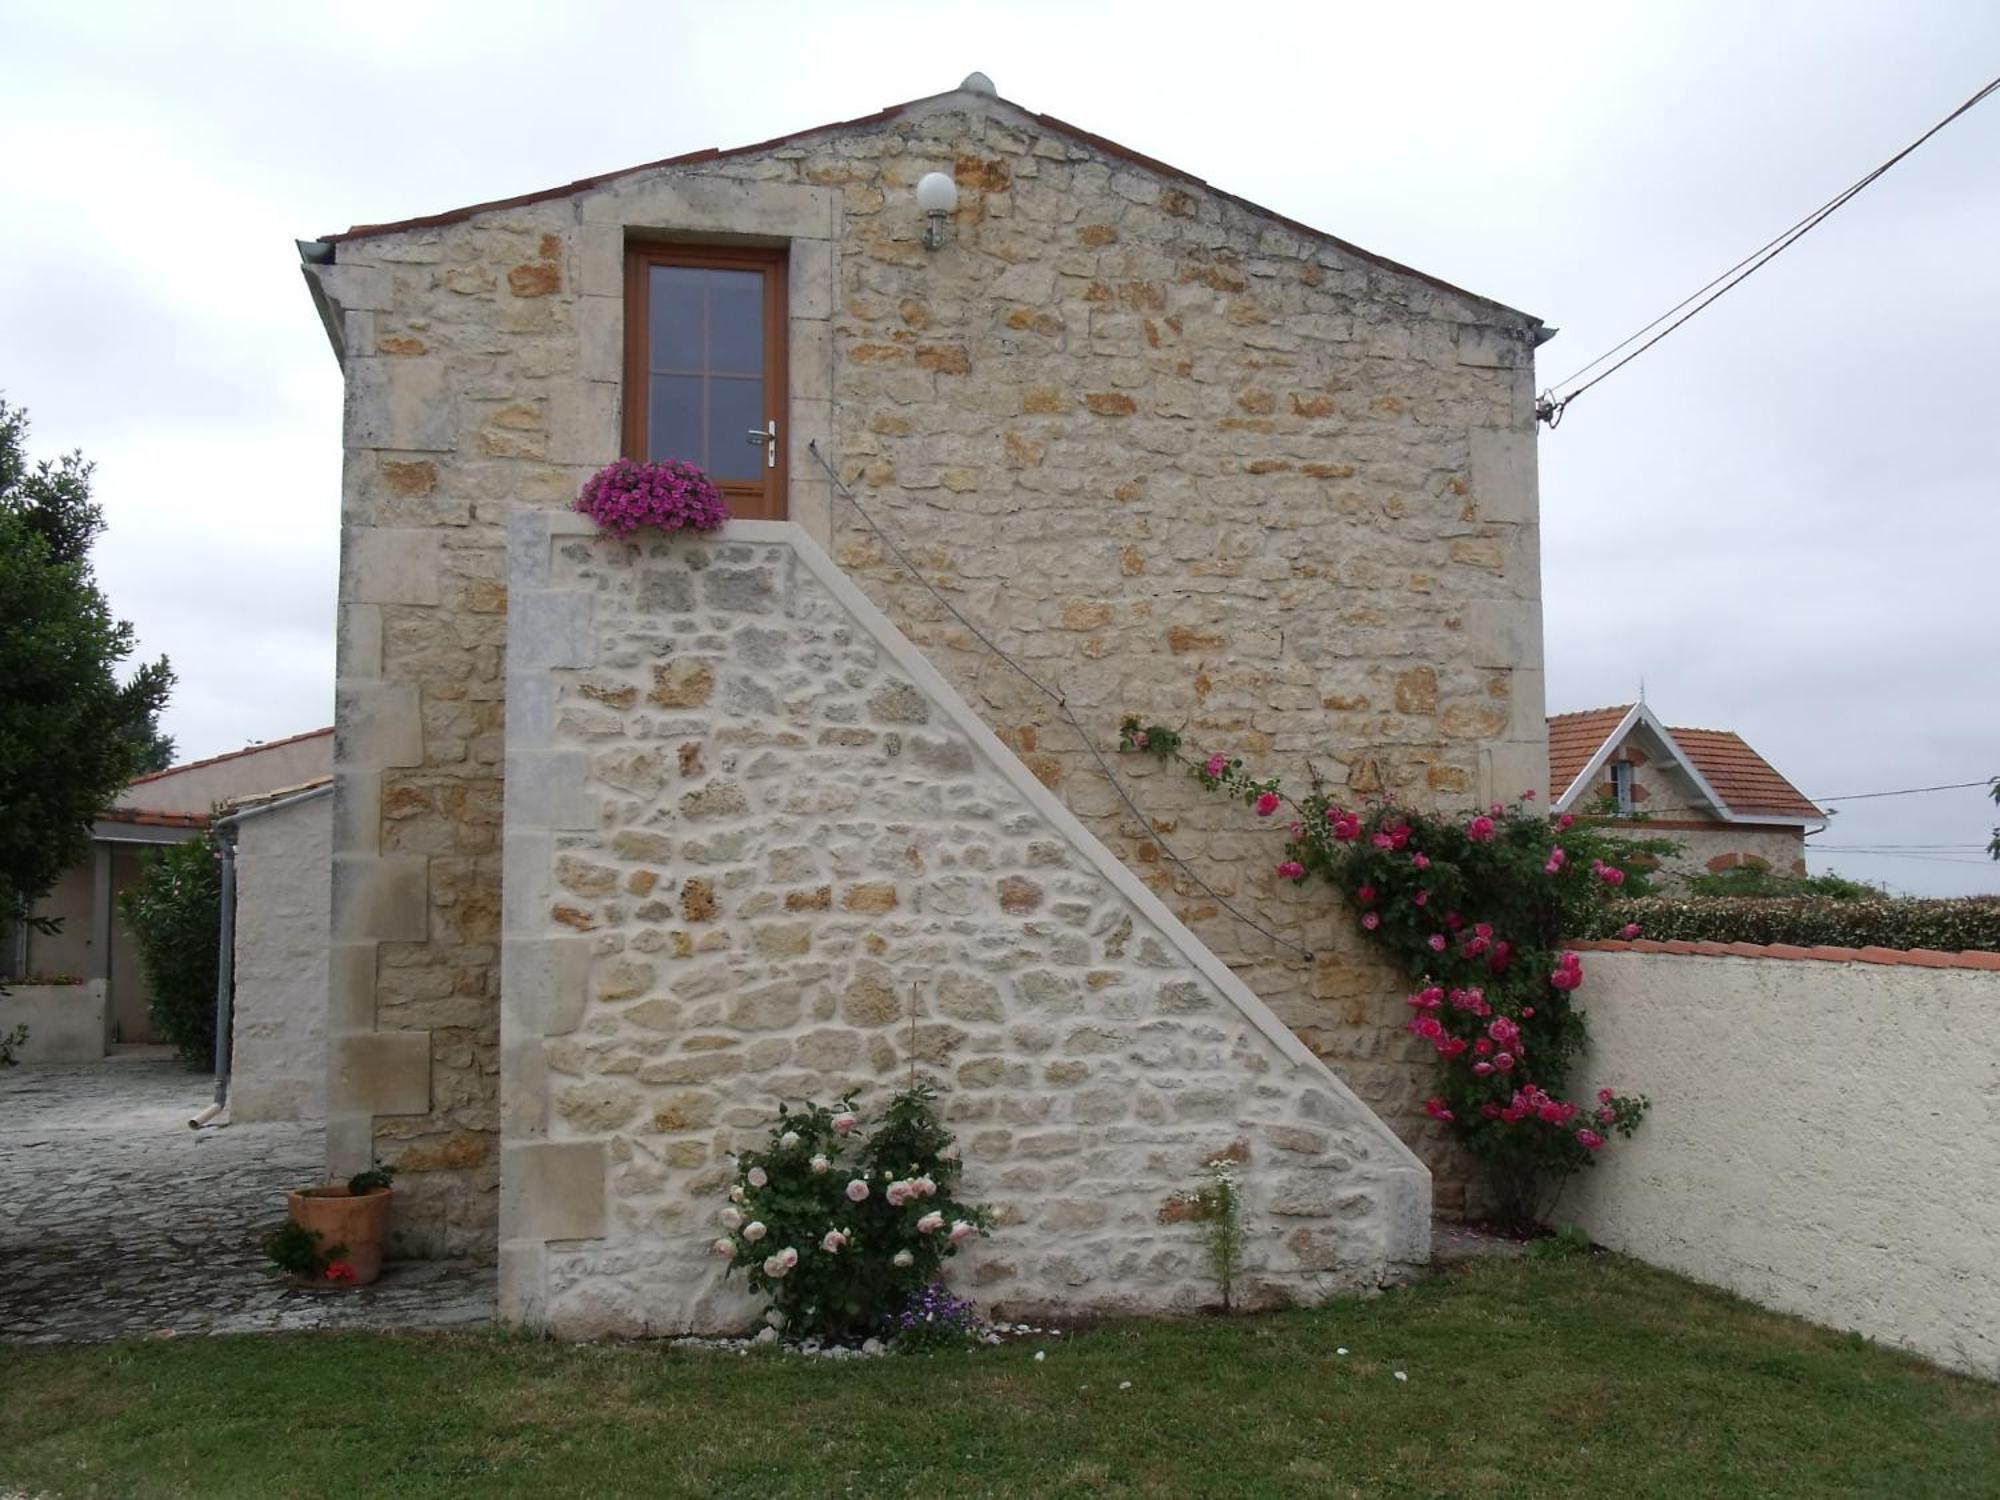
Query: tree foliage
[(175, 912), (71, 735)]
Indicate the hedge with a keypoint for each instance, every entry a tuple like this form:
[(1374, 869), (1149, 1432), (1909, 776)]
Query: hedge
[(1890, 922), (174, 911)]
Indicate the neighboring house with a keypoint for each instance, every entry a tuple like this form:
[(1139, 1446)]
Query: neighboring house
[(1185, 456), (166, 807), (1704, 788)]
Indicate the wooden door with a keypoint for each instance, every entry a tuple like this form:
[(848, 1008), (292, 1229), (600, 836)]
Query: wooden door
[(705, 367)]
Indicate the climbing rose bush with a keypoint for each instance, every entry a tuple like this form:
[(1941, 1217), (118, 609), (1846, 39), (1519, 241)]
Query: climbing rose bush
[(1474, 908), (841, 1230), (673, 495)]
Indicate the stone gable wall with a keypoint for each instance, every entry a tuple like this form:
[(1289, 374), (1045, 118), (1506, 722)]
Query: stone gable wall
[(759, 852), (1184, 458)]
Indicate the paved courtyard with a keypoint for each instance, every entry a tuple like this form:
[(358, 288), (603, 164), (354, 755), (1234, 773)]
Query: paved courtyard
[(117, 1220)]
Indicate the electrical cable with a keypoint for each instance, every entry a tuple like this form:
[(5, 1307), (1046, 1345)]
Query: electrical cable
[(1550, 409)]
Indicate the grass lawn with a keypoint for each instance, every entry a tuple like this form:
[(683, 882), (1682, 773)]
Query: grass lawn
[(1593, 1377)]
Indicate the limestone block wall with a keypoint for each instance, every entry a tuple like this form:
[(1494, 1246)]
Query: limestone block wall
[(1818, 1126), (277, 1065), (1188, 458), (758, 850)]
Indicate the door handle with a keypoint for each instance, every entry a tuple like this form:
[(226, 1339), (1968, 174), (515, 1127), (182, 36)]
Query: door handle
[(768, 436)]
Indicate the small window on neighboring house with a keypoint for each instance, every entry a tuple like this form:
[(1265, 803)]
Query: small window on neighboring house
[(1621, 787), (705, 381)]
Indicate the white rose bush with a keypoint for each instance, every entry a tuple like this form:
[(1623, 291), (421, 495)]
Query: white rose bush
[(841, 1230)]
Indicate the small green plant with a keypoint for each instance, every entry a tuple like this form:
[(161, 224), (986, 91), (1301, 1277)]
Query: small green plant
[(1218, 1204), (295, 1250), (933, 1320), (1567, 1243), (371, 1180), (10, 1043)]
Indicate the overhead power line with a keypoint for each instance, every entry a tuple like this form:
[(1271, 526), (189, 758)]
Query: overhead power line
[(1908, 791), (1550, 407)]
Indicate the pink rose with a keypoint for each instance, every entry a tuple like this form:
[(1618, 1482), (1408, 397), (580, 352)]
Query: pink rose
[(820, 1164), (1590, 1140), (1605, 1096), (725, 1247), (1480, 830), (754, 1231), (832, 1241), (1503, 1031), (1528, 795), (1371, 920), (1437, 942), (922, 1187), (777, 1265), (1267, 804), (898, 1194), (1565, 821), (1217, 764), (1437, 1109), (1629, 931), (930, 1223), (844, 1122), (731, 1219), (857, 1191), (1291, 869), (1423, 898), (962, 1231), (758, 1177), (1482, 1068), (1504, 1061), (1421, 860), (1556, 861)]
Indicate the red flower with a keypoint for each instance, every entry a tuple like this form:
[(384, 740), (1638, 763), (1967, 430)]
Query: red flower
[(339, 1271)]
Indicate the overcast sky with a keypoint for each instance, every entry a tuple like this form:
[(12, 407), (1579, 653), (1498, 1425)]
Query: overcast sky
[(1783, 518)]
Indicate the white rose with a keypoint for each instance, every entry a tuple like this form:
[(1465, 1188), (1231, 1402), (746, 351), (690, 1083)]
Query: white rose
[(776, 1265), (754, 1231), (758, 1177), (930, 1223), (731, 1219), (725, 1247), (857, 1190), (904, 1259), (736, 1195), (789, 1139), (820, 1164), (922, 1187), (833, 1241)]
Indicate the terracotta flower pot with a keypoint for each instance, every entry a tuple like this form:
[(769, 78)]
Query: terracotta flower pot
[(355, 1227)]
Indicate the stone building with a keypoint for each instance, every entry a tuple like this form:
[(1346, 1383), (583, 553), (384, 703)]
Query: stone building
[(1177, 454), (1706, 789)]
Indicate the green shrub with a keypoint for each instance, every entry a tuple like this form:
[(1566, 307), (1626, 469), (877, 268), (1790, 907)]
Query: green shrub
[(839, 1231), (1756, 881), (175, 913), (1882, 922)]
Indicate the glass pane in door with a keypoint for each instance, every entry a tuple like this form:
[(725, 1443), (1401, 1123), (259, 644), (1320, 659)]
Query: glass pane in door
[(705, 368)]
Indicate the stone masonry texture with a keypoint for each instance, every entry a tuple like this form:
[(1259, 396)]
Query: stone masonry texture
[(1181, 457), (776, 865)]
